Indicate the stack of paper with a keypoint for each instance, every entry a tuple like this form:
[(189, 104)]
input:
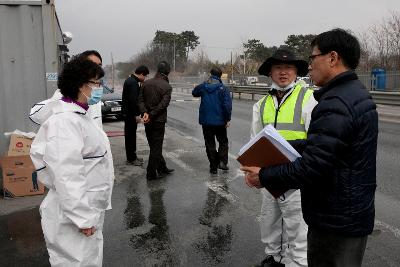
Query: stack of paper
[(267, 148)]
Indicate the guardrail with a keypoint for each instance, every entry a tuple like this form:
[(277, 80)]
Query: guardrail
[(380, 97), (386, 98), (183, 86)]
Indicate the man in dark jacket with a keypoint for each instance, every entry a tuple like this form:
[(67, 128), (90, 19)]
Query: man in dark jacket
[(154, 99), (337, 170), (214, 116), (131, 112)]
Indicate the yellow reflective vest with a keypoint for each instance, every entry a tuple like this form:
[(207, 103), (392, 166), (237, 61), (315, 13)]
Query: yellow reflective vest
[(287, 118)]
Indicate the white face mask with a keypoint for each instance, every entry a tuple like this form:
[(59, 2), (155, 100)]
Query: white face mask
[(282, 89)]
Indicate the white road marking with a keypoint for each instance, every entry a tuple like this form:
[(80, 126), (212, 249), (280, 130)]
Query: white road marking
[(174, 157), (239, 174), (191, 138), (219, 189), (395, 231), (232, 156), (185, 100)]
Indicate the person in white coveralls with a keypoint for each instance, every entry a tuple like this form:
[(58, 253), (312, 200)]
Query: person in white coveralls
[(288, 108), (73, 160)]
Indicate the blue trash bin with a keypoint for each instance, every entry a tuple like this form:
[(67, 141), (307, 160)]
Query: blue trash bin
[(378, 79)]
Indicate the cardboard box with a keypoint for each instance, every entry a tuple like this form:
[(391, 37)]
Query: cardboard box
[(20, 177), (19, 145)]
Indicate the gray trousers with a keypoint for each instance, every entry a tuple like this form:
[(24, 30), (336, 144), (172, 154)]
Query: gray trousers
[(332, 250)]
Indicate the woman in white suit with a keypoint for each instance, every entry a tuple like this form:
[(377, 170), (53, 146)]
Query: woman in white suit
[(73, 159)]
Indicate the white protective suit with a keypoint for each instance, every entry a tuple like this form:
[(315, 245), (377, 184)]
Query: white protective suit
[(94, 111), (282, 226), (73, 159)]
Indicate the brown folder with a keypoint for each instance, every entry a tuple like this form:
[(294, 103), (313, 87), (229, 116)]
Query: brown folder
[(263, 154)]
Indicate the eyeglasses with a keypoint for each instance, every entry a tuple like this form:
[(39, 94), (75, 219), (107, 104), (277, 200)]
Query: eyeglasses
[(312, 57), (96, 83)]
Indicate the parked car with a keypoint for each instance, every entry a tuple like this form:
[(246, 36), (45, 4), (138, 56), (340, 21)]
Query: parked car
[(112, 105), (307, 82), (250, 80)]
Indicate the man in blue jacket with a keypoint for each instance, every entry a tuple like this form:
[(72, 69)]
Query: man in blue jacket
[(337, 171), (214, 116)]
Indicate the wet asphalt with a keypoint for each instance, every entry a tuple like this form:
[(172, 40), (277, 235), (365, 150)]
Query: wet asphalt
[(189, 218)]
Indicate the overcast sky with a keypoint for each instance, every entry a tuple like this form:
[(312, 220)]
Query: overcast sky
[(124, 27)]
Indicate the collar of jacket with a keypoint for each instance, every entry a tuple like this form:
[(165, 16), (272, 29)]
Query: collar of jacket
[(214, 78), (339, 79), (162, 76), (135, 77)]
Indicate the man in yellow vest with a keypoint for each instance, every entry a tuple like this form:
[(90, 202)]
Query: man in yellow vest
[(288, 108)]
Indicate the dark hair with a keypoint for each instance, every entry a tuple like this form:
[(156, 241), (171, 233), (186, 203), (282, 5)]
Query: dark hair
[(85, 54), (215, 71), (142, 69), (163, 68), (76, 73), (342, 42)]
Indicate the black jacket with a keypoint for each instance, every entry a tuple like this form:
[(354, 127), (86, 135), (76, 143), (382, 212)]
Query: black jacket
[(337, 170), (130, 94), (154, 98)]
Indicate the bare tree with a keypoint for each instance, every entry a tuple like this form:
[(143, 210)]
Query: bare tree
[(379, 34), (393, 25), (366, 51)]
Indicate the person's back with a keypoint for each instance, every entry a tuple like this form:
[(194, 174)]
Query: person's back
[(214, 117), (214, 105), (155, 91), (154, 99), (129, 97)]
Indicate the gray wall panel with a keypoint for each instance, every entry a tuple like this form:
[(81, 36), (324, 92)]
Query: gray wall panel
[(24, 44)]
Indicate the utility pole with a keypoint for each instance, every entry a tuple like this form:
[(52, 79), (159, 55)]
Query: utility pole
[(174, 57), (244, 64), (231, 67), (112, 71)]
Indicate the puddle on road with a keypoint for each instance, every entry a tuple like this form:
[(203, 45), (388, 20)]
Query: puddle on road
[(155, 243), (218, 238), (207, 234)]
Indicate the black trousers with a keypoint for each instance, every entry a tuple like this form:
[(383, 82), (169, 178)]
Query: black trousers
[(332, 250), (210, 132), (130, 138), (155, 137)]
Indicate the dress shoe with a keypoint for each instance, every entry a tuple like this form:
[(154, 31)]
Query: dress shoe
[(151, 177), (167, 171), (135, 162), (223, 166), (213, 171), (269, 261)]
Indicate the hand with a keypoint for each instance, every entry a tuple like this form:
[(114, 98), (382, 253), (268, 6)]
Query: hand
[(88, 231), (227, 124), (146, 117), (251, 176)]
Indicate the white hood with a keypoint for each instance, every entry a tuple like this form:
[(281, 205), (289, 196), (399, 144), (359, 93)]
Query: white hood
[(43, 110)]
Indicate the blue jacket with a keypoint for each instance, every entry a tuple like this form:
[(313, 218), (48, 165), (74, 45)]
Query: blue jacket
[(216, 102)]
